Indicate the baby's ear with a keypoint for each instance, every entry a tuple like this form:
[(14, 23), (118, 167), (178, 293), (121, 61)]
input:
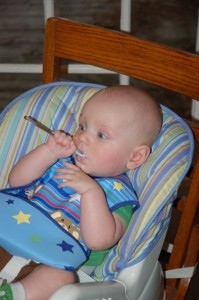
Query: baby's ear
[(138, 157)]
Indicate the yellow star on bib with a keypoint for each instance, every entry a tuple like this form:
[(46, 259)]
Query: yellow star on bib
[(117, 185), (22, 218)]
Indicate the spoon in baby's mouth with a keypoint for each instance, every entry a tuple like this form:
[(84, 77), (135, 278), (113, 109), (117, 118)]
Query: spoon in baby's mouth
[(48, 130)]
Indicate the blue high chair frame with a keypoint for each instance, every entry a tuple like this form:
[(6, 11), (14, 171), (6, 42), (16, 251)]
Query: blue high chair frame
[(131, 270)]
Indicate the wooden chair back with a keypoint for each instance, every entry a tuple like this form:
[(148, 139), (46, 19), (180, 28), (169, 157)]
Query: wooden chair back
[(170, 68)]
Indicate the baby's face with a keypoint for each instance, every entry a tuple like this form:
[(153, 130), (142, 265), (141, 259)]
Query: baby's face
[(103, 139)]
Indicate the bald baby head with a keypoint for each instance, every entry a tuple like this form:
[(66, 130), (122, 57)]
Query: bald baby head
[(133, 108), (117, 128)]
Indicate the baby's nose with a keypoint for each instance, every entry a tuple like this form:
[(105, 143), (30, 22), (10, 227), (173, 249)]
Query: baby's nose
[(84, 137)]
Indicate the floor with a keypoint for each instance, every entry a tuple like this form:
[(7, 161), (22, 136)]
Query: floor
[(172, 22)]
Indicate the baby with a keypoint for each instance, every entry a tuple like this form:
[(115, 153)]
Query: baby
[(117, 128)]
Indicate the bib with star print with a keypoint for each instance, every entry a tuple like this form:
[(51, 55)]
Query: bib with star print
[(37, 219)]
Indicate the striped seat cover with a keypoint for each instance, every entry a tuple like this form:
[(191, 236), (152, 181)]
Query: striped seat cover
[(156, 182)]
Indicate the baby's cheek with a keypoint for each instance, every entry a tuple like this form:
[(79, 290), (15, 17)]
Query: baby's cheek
[(110, 161), (116, 163)]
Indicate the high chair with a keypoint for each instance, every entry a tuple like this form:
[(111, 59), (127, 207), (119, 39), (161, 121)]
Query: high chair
[(131, 270)]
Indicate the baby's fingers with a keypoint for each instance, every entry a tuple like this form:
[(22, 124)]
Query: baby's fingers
[(70, 166), (62, 138), (66, 179), (67, 169)]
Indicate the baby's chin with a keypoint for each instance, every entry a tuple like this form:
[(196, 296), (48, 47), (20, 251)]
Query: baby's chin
[(83, 164)]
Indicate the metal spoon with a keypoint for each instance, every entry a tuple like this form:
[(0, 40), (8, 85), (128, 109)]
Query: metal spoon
[(39, 124)]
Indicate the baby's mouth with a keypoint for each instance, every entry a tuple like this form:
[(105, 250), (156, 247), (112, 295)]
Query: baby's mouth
[(79, 153)]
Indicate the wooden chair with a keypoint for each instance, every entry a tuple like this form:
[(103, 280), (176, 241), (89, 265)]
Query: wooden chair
[(173, 69), (190, 260)]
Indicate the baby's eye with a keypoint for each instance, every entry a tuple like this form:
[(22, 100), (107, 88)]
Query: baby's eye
[(82, 127), (102, 136)]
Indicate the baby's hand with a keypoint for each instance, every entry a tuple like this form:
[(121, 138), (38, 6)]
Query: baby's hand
[(60, 144), (75, 178)]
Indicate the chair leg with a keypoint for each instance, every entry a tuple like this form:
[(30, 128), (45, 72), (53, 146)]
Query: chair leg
[(125, 25), (195, 103), (191, 259), (193, 289), (186, 224), (48, 9)]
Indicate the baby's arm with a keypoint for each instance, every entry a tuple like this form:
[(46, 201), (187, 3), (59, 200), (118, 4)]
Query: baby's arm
[(36, 162), (100, 228)]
